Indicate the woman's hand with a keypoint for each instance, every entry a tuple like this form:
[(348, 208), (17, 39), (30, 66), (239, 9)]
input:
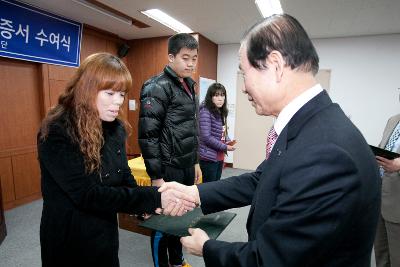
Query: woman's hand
[(230, 148)]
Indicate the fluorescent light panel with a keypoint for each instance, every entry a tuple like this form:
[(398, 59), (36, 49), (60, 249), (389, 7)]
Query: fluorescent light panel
[(269, 7), (166, 20), (103, 11)]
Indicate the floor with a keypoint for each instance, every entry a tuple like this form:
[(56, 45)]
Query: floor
[(21, 247)]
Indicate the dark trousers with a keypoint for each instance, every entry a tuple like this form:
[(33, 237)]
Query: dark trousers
[(387, 244), (164, 246), (211, 170)]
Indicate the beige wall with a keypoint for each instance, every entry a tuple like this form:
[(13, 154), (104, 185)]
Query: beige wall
[(250, 131)]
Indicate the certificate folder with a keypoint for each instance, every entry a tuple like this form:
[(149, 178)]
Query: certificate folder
[(213, 224), (384, 153)]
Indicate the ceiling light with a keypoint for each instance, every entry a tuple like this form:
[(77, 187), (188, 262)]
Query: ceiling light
[(166, 20), (103, 11), (269, 7)]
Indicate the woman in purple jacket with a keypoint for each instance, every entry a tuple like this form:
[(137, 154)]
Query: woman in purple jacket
[(213, 138)]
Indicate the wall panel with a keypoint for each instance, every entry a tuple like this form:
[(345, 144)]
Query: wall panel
[(208, 55), (26, 174), (19, 103), (6, 179)]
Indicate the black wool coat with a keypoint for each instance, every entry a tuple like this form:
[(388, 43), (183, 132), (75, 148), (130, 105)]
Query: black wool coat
[(79, 219)]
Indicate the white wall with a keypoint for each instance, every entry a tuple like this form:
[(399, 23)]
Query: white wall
[(227, 68), (365, 77)]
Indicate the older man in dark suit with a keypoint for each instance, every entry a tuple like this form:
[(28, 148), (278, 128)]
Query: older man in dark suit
[(315, 199)]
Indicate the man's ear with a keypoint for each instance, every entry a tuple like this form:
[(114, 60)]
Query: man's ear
[(277, 62), (171, 58)]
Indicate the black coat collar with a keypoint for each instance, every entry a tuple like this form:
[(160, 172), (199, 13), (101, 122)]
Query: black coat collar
[(172, 74), (315, 105)]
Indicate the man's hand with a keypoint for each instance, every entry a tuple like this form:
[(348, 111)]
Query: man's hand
[(389, 165), (191, 191), (194, 243), (197, 173), (157, 182), (175, 203)]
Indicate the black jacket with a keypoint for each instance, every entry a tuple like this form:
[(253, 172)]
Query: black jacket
[(79, 219), (317, 210), (167, 123)]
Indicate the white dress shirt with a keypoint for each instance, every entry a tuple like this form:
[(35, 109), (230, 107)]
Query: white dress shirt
[(288, 112)]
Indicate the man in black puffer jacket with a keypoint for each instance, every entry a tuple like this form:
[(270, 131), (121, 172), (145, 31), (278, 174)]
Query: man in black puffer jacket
[(168, 134)]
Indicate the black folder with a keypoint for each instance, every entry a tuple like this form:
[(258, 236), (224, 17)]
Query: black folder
[(384, 153), (213, 224)]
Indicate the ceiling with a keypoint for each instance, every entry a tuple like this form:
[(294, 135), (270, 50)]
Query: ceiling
[(225, 21)]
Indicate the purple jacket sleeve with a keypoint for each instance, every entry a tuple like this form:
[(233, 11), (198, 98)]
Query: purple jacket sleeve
[(205, 131)]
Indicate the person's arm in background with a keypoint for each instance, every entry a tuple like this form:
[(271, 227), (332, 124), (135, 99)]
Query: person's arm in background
[(153, 108), (389, 165)]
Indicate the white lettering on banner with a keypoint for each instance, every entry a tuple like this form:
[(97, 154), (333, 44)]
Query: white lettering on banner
[(21, 32), (4, 44), (42, 39), (55, 39), (6, 28), (66, 42)]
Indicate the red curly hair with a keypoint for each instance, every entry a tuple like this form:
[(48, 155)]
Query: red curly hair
[(97, 72)]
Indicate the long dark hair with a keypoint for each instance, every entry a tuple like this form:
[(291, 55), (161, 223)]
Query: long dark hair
[(97, 72), (213, 89)]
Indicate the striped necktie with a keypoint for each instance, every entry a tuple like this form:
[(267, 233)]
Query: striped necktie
[(271, 139), (390, 144), (393, 138)]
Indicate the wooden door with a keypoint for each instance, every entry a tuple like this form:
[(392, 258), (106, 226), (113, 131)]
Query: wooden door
[(3, 231), (20, 108)]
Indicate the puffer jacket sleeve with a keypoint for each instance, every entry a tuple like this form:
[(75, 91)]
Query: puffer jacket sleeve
[(205, 131), (153, 107)]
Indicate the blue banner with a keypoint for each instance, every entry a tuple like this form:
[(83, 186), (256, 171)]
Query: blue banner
[(29, 33)]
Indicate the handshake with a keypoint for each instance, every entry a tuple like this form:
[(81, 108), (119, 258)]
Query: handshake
[(177, 199)]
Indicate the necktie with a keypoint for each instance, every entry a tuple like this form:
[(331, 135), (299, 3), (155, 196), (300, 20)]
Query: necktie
[(390, 144), (393, 138), (271, 139)]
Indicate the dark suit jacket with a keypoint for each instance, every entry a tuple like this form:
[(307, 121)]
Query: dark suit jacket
[(314, 202)]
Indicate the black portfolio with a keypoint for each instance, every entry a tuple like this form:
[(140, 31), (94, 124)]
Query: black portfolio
[(213, 224)]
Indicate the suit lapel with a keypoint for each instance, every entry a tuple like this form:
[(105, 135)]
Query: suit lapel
[(312, 107), (270, 176)]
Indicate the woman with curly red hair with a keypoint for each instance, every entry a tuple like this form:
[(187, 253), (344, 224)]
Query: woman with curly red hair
[(85, 175)]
